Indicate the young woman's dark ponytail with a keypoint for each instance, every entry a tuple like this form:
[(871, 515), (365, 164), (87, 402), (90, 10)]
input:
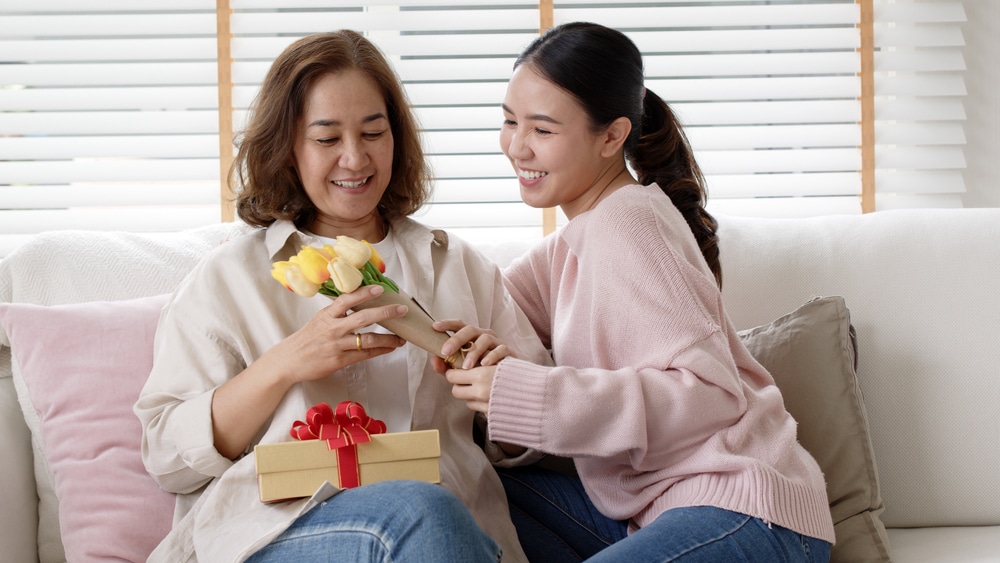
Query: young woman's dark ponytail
[(663, 155)]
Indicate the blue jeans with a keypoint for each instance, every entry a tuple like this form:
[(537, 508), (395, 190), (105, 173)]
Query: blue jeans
[(556, 522), (387, 521)]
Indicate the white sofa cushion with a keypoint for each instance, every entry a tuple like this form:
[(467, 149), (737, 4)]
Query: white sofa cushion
[(921, 286), (980, 544)]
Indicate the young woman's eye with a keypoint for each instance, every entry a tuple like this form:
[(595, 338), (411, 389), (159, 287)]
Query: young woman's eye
[(328, 140), (373, 135), (509, 123), (542, 131)]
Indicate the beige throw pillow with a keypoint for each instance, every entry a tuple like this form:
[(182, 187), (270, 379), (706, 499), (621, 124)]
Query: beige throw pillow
[(812, 355)]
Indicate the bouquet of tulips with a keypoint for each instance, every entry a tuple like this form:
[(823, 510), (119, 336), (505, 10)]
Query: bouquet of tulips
[(348, 265)]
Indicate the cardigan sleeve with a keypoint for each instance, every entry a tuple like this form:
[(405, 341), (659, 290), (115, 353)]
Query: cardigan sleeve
[(527, 280)]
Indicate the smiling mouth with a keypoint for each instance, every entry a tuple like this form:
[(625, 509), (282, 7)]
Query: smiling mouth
[(531, 174), (351, 185)]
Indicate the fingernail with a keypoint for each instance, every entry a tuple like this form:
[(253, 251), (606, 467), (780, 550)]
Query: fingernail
[(401, 309), (376, 289), (447, 349)]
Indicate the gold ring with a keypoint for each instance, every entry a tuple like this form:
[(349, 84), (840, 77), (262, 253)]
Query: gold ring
[(358, 338)]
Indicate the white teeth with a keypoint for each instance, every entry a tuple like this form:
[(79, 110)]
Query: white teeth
[(532, 175), (351, 184)]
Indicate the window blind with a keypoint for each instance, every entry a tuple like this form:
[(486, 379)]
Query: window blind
[(108, 116), (919, 111), (768, 93), (109, 109)]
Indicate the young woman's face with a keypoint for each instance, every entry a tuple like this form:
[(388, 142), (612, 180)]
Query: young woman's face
[(343, 154), (547, 137)]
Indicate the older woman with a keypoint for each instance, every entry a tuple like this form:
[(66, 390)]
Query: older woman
[(331, 149)]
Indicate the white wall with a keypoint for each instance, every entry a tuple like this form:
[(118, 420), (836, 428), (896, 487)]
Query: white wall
[(982, 106)]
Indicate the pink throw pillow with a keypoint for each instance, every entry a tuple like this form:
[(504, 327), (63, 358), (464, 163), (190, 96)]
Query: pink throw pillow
[(84, 366)]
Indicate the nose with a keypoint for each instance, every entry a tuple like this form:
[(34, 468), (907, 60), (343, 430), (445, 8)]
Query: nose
[(517, 146), (353, 156)]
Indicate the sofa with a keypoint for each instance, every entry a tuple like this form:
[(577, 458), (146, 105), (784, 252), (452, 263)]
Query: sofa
[(882, 330)]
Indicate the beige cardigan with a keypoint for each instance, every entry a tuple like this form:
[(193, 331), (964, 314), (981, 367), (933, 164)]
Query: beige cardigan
[(229, 311)]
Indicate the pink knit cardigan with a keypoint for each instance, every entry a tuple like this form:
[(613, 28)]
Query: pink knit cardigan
[(655, 396)]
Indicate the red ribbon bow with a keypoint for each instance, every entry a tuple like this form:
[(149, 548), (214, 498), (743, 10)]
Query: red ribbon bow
[(343, 430)]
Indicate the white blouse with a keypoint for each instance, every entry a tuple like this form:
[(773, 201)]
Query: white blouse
[(380, 384)]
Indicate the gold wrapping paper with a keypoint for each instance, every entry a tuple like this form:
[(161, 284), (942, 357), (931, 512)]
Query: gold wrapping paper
[(415, 326)]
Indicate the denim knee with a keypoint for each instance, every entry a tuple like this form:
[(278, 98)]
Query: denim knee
[(392, 520), (430, 503)]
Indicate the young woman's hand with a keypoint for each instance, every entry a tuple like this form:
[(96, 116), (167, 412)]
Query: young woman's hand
[(472, 386), (473, 382), (481, 346)]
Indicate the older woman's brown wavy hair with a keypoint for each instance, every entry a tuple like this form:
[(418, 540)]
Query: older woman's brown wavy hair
[(263, 175)]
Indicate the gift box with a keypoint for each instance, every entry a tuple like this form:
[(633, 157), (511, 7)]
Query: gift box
[(290, 470), (296, 469)]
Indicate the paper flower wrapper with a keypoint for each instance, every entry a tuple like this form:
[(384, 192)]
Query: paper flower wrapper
[(348, 265), (415, 326)]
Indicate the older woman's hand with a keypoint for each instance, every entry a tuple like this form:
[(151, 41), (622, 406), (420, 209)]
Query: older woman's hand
[(326, 343), (330, 341)]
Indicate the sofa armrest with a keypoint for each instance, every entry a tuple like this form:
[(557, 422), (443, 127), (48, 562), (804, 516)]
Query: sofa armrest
[(19, 518)]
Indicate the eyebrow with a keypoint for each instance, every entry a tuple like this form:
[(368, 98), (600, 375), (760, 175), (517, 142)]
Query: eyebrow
[(334, 123), (534, 116)]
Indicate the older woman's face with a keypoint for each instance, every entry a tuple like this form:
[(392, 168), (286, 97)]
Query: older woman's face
[(343, 154)]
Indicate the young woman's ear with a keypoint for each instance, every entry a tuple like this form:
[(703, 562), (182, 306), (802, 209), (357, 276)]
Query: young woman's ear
[(615, 136)]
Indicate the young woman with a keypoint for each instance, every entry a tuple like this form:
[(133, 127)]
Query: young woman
[(331, 149), (680, 438)]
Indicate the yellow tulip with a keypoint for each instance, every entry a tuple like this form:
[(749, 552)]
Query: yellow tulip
[(312, 263), (299, 283), (376, 258), (278, 273), (352, 251), (346, 278)]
